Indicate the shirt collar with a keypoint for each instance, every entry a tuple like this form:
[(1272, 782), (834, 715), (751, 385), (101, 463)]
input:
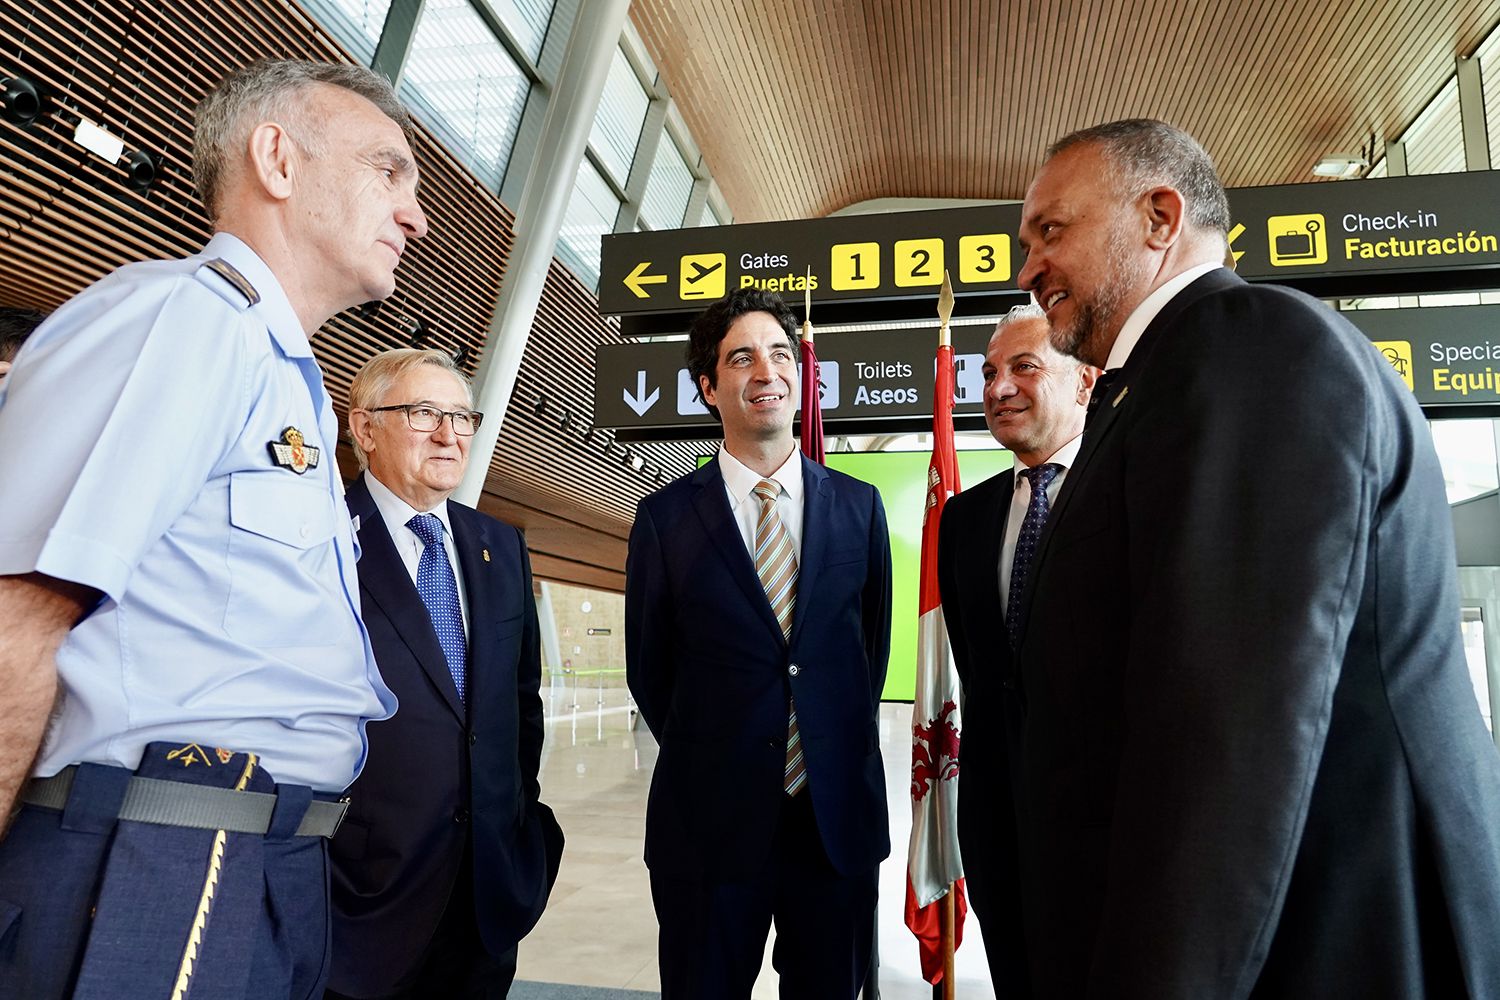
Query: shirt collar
[(274, 307), (1136, 322), (396, 511), (1064, 456), (741, 480)]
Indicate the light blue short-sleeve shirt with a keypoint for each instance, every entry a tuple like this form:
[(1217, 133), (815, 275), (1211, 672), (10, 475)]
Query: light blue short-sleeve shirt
[(136, 457)]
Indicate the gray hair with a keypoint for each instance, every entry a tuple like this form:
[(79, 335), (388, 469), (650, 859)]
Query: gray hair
[(273, 90), (384, 370), (1143, 153), (1026, 310)]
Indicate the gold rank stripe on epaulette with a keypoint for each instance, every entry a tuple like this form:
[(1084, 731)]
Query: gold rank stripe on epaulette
[(241, 284), (1120, 398)]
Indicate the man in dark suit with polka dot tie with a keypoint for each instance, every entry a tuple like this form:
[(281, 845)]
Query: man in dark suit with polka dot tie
[(1035, 402)]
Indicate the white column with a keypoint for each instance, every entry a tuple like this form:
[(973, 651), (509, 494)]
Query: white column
[(544, 199)]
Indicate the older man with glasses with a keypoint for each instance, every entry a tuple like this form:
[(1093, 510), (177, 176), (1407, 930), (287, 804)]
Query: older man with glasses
[(446, 857)]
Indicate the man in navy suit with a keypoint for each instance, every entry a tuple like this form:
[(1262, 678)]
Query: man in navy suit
[(1035, 400), (1252, 760), (446, 856), (757, 620)]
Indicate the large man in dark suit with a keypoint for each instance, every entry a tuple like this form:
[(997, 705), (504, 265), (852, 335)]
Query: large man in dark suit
[(1252, 761), (1035, 400), (757, 619), (446, 856)]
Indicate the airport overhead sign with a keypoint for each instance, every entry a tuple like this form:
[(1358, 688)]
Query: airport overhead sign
[(881, 380), (1448, 357), (842, 258), (1398, 234), (867, 379), (1368, 229)]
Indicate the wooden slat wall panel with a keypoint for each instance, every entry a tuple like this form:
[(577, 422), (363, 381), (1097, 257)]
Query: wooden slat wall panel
[(804, 106), (66, 219)]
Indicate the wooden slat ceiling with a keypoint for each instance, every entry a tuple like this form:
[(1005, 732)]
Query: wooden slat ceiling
[(802, 107), (66, 219)]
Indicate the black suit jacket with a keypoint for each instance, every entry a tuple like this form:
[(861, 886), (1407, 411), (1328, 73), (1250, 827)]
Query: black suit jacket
[(1252, 759), (973, 531), (440, 772), (711, 672)]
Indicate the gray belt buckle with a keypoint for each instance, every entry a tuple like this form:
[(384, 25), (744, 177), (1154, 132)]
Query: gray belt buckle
[(342, 803)]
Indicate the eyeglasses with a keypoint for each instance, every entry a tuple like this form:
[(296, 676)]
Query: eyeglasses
[(424, 418)]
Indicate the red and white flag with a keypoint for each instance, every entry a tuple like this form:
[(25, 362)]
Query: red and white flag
[(812, 407), (932, 862)]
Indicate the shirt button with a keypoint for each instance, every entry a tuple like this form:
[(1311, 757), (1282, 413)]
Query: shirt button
[(473, 739), (794, 670), (306, 531), (460, 815)]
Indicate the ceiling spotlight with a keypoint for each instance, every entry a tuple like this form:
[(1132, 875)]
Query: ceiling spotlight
[(23, 101), (416, 333), (141, 169), (1343, 166)]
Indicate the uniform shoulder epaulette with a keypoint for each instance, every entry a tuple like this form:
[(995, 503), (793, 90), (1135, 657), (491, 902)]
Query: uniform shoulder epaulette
[(239, 292)]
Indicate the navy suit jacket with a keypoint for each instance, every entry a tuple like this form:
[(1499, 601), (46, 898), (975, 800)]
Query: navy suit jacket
[(441, 771), (1253, 765), (711, 672)]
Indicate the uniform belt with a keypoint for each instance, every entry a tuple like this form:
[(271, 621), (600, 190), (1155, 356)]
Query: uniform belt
[(199, 807)]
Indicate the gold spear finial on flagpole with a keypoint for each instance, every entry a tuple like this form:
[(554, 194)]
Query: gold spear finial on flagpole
[(807, 333), (945, 309)]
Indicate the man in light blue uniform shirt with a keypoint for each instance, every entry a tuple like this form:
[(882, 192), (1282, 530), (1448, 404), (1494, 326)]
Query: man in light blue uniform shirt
[(177, 570)]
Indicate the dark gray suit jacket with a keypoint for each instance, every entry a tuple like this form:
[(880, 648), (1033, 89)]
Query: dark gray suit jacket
[(442, 772), (969, 545), (1252, 760)]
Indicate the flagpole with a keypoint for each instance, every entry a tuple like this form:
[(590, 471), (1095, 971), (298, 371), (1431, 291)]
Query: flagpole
[(945, 313)]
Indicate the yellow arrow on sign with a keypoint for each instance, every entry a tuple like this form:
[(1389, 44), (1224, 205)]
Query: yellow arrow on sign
[(1233, 235), (635, 279)]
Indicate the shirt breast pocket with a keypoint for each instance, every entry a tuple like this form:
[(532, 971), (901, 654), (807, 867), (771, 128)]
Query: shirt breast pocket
[(282, 563)]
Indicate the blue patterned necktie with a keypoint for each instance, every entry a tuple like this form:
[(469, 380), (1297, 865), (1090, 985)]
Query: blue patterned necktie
[(1031, 530), (439, 591)]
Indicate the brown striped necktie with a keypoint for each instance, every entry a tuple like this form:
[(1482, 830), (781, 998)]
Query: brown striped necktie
[(776, 564)]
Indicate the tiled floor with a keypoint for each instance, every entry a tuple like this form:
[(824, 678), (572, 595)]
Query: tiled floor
[(599, 929)]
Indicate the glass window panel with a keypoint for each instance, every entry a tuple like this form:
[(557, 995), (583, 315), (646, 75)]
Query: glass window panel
[(668, 188), (590, 214), (1435, 143), (463, 84), (527, 22), (1466, 451), (356, 24), (622, 112), (711, 216)]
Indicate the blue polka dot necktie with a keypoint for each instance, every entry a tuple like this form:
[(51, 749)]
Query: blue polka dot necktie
[(1031, 529), (439, 591)]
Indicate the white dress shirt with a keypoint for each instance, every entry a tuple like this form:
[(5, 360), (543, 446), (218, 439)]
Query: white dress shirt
[(1021, 499), (1136, 323), (409, 546), (739, 481)]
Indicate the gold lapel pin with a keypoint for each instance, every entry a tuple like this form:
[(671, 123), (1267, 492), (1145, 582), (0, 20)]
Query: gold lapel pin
[(486, 554), (1120, 396)]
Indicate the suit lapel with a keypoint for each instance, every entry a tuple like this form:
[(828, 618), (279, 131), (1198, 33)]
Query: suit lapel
[(475, 562), (712, 505), (992, 538), (1111, 408), (817, 511), (384, 580)]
